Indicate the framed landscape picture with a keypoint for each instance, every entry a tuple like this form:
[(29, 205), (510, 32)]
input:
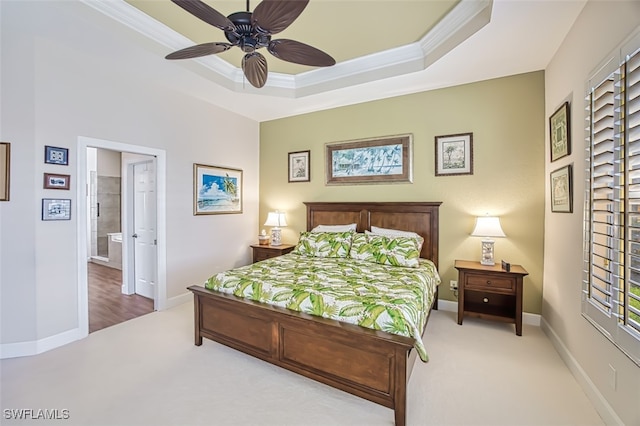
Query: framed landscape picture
[(454, 154), (560, 132), (561, 190), (383, 160), (216, 190), (56, 209)]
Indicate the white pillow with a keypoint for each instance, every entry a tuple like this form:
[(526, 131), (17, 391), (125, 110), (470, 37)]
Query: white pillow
[(335, 228), (393, 232)]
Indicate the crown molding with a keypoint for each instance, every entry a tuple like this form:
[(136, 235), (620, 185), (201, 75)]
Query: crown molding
[(466, 18)]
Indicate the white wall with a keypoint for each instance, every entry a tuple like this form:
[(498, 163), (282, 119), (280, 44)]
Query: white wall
[(64, 76), (601, 27)]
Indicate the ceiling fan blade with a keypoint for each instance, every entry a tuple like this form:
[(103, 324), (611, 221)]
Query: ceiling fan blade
[(199, 50), (299, 53), (254, 66), (274, 16), (206, 13)]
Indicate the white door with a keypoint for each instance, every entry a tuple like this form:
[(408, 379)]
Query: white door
[(144, 226)]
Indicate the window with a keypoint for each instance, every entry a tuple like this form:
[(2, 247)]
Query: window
[(611, 287)]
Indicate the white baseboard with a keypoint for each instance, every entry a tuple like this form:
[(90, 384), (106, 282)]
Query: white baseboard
[(527, 318), (177, 301), (599, 402), (14, 350)]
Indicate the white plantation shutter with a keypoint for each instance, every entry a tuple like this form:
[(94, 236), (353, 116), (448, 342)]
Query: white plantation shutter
[(611, 283)]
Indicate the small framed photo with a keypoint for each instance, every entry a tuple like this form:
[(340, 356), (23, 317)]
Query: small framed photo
[(216, 190), (52, 181), (560, 132), (299, 166), (454, 154), (55, 155), (561, 191), (56, 209)]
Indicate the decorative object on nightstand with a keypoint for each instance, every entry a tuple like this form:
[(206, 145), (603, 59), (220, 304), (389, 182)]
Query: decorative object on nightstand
[(264, 252), (490, 292), (263, 238), (487, 227), (276, 219)]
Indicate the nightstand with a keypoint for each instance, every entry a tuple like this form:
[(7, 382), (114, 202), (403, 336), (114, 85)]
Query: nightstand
[(490, 292), (267, 252)]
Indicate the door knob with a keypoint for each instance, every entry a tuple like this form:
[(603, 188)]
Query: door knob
[(135, 235)]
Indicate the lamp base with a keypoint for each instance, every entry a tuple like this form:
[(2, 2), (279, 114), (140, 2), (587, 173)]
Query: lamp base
[(487, 253), (276, 237)]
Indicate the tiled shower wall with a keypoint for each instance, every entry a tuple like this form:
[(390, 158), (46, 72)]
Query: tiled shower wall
[(107, 211)]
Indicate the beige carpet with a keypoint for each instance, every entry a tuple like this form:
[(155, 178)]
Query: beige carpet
[(148, 372)]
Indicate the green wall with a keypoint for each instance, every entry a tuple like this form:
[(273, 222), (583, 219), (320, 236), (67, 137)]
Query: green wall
[(506, 117)]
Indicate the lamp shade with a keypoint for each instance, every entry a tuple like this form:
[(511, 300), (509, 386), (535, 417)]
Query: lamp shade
[(276, 219), (488, 226)]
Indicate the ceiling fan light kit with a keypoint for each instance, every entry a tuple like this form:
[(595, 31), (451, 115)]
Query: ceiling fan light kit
[(253, 31)]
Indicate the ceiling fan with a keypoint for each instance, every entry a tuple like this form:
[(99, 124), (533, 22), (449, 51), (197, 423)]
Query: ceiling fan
[(252, 31)]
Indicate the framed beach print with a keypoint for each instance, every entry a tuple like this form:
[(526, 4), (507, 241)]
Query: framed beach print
[(52, 181), (454, 154), (55, 155), (560, 133), (55, 209), (561, 190), (216, 190), (5, 161), (299, 166), (383, 160)]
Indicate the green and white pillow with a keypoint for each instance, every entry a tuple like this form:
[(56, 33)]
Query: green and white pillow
[(324, 244), (398, 251)]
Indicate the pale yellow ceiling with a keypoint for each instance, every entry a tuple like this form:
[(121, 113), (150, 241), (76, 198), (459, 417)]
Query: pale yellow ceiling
[(344, 29)]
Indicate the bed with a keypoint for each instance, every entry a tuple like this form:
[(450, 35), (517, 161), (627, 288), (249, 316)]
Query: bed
[(368, 363)]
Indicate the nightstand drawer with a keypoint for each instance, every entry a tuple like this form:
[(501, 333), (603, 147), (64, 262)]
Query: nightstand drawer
[(486, 282)]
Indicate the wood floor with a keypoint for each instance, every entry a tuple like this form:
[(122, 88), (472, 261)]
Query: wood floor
[(107, 305)]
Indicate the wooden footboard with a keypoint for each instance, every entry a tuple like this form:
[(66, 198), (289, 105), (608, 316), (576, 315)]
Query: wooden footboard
[(367, 363)]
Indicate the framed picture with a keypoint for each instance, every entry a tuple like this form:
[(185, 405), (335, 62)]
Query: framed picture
[(560, 132), (54, 155), (561, 190), (55, 209), (299, 166), (52, 181), (5, 162), (454, 154), (383, 160), (216, 190)]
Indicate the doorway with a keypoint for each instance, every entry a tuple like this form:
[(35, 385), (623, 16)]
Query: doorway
[(143, 212)]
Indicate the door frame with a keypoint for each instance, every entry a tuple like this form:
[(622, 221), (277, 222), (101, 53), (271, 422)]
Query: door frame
[(160, 301)]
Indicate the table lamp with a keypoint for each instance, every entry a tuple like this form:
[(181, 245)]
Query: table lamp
[(487, 227), (276, 219)]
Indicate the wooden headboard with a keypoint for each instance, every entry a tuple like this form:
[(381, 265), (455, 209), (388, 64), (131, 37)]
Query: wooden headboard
[(419, 217)]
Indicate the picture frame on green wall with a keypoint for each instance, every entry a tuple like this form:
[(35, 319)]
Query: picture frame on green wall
[(367, 161), (300, 166), (454, 154)]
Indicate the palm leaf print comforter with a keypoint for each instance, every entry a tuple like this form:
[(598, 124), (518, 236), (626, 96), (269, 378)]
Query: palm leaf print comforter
[(382, 297)]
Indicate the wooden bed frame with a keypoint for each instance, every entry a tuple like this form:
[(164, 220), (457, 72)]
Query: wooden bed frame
[(364, 362)]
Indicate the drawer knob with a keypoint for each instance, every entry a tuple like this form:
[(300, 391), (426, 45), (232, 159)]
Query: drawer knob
[(488, 282), (485, 300)]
